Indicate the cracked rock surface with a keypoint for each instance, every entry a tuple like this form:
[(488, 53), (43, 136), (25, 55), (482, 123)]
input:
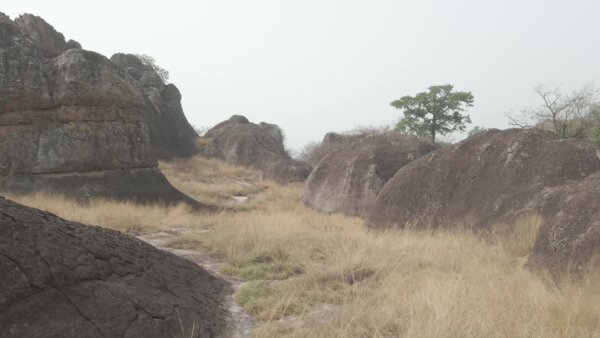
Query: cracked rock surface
[(64, 279)]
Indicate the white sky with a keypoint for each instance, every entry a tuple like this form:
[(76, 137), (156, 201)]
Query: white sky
[(332, 65)]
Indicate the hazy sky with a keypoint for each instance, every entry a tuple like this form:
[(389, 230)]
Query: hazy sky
[(318, 66)]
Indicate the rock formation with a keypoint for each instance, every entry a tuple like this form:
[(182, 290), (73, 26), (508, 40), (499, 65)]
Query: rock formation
[(492, 177), (354, 168), (64, 279), (71, 121), (45, 38), (170, 133), (569, 238), (259, 146)]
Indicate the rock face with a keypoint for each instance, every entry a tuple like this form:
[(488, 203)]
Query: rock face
[(349, 178), (74, 123), (64, 279), (259, 146), (492, 177), (171, 135), (50, 42), (569, 238)]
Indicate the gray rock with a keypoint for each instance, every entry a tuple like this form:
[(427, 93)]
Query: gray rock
[(64, 279), (42, 35), (72, 44), (569, 238), (75, 123), (171, 135), (494, 177), (259, 146), (354, 168)]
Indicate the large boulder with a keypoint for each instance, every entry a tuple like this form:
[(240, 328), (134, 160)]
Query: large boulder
[(74, 123), (259, 146), (569, 238), (354, 168), (171, 135), (490, 178), (64, 279)]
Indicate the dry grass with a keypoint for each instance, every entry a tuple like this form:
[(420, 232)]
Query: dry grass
[(214, 182), (127, 217), (320, 275)]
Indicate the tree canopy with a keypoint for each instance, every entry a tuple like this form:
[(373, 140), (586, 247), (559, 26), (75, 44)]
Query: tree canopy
[(575, 114), (437, 111)]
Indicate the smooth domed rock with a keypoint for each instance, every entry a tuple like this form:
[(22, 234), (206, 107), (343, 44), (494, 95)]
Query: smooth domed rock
[(259, 146), (65, 279), (355, 168), (490, 178)]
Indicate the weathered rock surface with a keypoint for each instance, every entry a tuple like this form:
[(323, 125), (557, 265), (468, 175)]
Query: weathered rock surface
[(492, 177), (64, 279), (171, 135), (259, 146), (569, 238), (73, 123), (356, 167), (43, 36)]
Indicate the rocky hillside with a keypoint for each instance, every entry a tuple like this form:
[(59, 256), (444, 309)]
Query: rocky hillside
[(71, 120)]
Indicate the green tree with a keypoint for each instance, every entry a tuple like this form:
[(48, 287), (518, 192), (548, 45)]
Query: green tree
[(437, 111), (151, 62)]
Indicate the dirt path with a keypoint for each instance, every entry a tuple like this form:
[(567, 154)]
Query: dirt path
[(242, 323)]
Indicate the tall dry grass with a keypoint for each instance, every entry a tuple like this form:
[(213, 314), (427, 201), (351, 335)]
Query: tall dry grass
[(319, 275), (128, 217)]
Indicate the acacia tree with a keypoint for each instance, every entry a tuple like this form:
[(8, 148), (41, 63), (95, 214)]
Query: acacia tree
[(437, 111), (565, 114)]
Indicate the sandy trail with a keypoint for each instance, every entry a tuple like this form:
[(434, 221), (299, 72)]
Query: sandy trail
[(241, 324)]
